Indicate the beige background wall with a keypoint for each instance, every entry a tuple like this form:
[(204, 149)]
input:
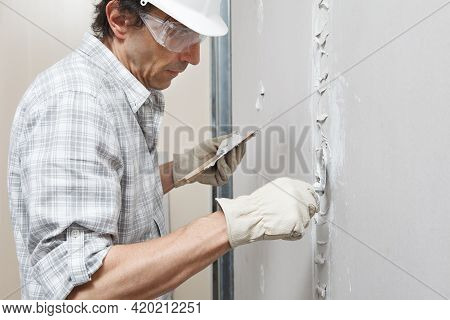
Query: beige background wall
[(34, 36)]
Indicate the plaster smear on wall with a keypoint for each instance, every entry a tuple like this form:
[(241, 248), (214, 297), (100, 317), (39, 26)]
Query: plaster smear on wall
[(336, 132), (330, 143), (324, 4), (321, 232), (260, 28), (262, 284), (336, 138), (260, 23), (260, 97)]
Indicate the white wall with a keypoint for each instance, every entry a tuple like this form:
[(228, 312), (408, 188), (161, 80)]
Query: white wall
[(387, 132), (390, 189), (28, 50), (271, 44)]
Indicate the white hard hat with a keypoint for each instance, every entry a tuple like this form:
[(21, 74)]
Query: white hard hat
[(202, 16)]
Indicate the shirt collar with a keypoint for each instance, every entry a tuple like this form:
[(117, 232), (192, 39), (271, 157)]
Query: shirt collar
[(137, 94)]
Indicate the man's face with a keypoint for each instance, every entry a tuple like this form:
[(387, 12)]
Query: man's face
[(151, 63)]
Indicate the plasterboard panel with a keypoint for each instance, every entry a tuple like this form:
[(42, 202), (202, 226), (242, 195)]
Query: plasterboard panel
[(388, 131), (272, 52)]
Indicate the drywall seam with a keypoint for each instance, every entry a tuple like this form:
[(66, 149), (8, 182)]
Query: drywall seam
[(321, 232)]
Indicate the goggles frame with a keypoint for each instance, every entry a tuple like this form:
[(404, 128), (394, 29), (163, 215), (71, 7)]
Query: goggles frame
[(172, 35)]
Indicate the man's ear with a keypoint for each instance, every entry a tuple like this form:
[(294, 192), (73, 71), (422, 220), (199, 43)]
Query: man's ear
[(119, 22)]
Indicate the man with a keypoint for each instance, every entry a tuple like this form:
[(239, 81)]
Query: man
[(85, 186)]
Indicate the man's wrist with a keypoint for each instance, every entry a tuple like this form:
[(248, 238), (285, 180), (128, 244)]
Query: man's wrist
[(219, 216), (166, 175)]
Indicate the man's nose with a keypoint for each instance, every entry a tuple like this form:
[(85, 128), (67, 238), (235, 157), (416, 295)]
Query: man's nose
[(191, 55)]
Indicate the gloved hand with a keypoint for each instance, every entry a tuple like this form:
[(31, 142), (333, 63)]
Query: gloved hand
[(217, 175), (281, 209)]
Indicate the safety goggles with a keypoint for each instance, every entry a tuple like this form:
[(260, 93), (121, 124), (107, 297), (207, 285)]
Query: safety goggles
[(172, 35)]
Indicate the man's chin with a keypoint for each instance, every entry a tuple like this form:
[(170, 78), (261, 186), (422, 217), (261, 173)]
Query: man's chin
[(161, 85)]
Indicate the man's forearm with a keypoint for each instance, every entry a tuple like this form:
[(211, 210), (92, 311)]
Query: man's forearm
[(165, 172), (149, 269)]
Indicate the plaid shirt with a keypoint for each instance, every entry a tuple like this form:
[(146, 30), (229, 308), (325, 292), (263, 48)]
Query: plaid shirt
[(83, 169)]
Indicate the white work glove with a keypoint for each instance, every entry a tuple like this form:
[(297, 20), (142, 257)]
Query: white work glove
[(281, 209), (217, 175)]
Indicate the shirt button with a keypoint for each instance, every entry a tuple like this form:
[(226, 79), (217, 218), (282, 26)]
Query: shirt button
[(75, 233)]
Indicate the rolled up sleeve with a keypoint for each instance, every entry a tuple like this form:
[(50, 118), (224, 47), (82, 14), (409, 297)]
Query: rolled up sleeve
[(71, 173)]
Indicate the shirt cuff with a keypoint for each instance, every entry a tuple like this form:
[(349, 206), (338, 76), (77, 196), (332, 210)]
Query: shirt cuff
[(72, 262)]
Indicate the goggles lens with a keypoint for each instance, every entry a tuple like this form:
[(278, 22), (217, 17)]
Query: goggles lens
[(172, 35)]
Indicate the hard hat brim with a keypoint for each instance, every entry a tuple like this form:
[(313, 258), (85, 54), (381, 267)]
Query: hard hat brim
[(210, 26)]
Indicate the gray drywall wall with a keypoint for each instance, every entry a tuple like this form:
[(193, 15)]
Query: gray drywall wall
[(271, 44), (388, 128), (386, 139)]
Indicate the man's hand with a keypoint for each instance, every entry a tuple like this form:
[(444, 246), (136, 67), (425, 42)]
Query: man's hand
[(281, 209), (217, 175)]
